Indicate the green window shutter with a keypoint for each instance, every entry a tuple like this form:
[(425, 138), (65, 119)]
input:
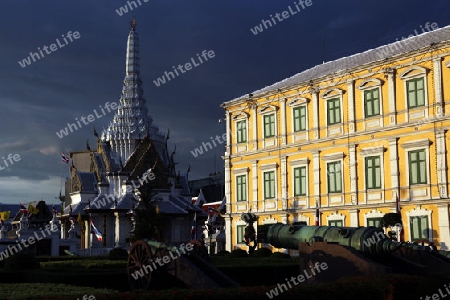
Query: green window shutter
[(299, 118), (300, 181), (417, 167), (241, 187), (333, 111), (373, 172), (241, 131)]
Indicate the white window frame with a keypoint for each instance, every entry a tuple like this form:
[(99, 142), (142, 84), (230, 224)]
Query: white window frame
[(373, 151), (415, 72), (328, 95), (240, 172), (337, 157), (246, 188), (336, 217), (269, 110), (370, 84), (423, 144), (299, 102), (242, 116), (372, 214), (269, 168), (296, 164), (419, 212), (240, 223)]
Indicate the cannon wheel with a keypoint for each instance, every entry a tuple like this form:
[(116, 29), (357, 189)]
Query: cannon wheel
[(140, 255)]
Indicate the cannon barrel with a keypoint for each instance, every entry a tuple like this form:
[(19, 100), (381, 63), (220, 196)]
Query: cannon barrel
[(369, 240)]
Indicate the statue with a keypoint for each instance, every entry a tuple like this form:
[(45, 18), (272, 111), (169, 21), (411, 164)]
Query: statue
[(250, 232)]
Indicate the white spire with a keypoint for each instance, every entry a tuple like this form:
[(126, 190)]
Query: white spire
[(131, 121)]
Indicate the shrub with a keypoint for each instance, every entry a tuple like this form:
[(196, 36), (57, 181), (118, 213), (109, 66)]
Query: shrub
[(223, 253), (238, 253), (118, 253), (262, 252), (280, 255), (20, 262)]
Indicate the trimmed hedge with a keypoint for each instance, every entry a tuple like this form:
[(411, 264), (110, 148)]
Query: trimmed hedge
[(238, 253), (385, 287), (20, 262), (262, 252)]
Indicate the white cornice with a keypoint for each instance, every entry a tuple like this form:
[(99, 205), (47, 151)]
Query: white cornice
[(334, 156), (241, 171), (299, 162), (416, 144), (268, 166)]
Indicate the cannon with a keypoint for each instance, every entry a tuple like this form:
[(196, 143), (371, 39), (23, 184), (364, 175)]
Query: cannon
[(151, 263), (353, 250)]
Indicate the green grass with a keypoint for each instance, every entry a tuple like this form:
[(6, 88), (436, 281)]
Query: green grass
[(219, 261), (31, 291), (83, 265)]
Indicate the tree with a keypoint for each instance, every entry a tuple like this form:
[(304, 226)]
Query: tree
[(147, 217), (390, 220)]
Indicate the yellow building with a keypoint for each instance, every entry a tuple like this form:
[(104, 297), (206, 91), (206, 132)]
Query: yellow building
[(351, 134)]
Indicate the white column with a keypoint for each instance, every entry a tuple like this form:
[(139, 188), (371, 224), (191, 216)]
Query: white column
[(228, 224), (316, 171), (353, 175), (284, 198), (228, 219), (255, 127), (441, 163), (437, 70), (255, 186), (283, 121), (391, 97), (393, 159), (444, 232), (228, 130), (315, 104), (351, 105), (353, 217)]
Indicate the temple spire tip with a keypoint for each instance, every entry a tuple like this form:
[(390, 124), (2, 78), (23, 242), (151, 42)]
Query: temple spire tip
[(133, 24)]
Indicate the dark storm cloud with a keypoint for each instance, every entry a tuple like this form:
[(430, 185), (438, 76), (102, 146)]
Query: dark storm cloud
[(42, 98)]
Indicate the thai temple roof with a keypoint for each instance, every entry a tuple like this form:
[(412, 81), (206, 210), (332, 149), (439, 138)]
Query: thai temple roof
[(357, 60), (130, 147)]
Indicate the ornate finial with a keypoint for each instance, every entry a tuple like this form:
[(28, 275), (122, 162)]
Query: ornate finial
[(133, 24)]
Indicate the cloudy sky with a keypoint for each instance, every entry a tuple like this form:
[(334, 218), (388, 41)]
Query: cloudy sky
[(40, 99)]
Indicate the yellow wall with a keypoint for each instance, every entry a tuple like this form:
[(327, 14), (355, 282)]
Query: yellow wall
[(391, 131)]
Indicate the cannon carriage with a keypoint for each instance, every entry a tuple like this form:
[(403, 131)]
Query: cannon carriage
[(153, 265)]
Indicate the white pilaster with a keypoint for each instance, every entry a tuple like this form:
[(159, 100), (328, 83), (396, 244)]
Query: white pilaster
[(228, 130), (255, 186), (353, 175), (315, 104), (441, 163), (393, 159), (284, 193), (283, 121), (316, 171), (437, 70), (391, 97), (255, 127), (351, 105), (353, 218), (228, 224), (444, 232)]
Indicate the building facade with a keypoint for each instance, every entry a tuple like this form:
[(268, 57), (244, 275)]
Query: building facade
[(350, 135)]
